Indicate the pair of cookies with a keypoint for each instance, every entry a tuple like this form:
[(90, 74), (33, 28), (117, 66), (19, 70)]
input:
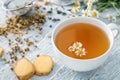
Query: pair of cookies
[(24, 69)]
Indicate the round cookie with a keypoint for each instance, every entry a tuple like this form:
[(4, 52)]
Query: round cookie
[(24, 69), (1, 51), (43, 65)]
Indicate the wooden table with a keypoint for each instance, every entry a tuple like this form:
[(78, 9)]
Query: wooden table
[(110, 70)]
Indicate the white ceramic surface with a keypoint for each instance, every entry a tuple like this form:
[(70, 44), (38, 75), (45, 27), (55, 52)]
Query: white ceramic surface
[(79, 64)]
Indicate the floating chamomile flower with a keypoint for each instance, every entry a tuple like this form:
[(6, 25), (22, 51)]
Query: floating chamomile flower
[(77, 49), (71, 49), (77, 45), (80, 52)]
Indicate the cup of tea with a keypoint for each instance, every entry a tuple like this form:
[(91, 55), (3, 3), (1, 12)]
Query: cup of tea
[(83, 43)]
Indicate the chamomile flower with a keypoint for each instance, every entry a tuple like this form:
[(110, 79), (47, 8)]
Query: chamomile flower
[(76, 7), (71, 49), (110, 17), (80, 52), (89, 1), (77, 4), (77, 45), (89, 7), (85, 13), (77, 49), (94, 13)]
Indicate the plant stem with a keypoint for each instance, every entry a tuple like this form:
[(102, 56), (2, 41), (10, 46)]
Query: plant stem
[(115, 8)]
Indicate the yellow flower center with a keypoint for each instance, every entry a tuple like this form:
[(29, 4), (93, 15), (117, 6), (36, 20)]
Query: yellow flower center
[(80, 51), (94, 14), (77, 4), (85, 14), (77, 45), (86, 1)]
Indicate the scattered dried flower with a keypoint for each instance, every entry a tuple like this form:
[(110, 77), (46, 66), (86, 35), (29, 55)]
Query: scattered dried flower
[(16, 24), (27, 49)]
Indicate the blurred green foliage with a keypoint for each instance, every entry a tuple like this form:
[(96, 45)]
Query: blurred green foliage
[(101, 5)]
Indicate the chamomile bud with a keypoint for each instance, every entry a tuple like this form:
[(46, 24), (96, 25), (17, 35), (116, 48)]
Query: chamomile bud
[(114, 19), (109, 17), (86, 1), (88, 7), (85, 13), (91, 1), (77, 4), (73, 10)]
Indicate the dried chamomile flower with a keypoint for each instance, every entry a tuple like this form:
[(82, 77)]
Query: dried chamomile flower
[(17, 24)]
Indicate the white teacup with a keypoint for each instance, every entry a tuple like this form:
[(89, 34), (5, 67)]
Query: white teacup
[(86, 64)]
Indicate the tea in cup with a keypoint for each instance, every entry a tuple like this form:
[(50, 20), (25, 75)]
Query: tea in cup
[(83, 43)]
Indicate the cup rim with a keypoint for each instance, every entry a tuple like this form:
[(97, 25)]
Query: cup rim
[(106, 52)]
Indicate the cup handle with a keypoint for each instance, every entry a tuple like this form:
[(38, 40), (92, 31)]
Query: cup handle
[(115, 29)]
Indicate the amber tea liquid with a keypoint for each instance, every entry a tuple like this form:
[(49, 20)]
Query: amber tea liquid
[(94, 40)]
